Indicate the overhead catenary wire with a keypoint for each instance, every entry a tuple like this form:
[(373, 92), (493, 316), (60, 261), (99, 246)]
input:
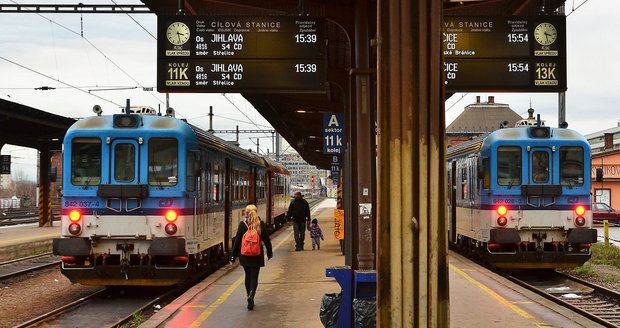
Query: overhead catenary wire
[(59, 81), (135, 21), (578, 6), (100, 52), (456, 102)]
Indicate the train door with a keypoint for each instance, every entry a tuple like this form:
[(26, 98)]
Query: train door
[(541, 166), (452, 179), (125, 157), (253, 178), (227, 205)]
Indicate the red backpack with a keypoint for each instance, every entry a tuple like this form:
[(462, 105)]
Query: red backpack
[(250, 244)]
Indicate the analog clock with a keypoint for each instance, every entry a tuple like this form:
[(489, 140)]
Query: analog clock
[(545, 34), (177, 33)]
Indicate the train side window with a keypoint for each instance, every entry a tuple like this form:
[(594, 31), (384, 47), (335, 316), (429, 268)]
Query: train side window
[(190, 178), (508, 166), (540, 167), (463, 182), (216, 184), (206, 194), (86, 161), (571, 166), (486, 180), (163, 162)]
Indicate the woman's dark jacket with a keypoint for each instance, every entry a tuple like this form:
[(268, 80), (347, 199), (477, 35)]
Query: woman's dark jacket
[(253, 261)]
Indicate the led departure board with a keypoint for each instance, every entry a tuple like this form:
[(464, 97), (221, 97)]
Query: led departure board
[(504, 53), (275, 54), (501, 75)]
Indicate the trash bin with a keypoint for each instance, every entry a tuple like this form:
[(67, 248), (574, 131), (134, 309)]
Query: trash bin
[(365, 312), (330, 308)]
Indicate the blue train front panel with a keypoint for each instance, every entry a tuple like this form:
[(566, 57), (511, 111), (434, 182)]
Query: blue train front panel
[(128, 200), (524, 198)]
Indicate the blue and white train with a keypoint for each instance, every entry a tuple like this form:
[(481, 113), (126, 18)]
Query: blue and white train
[(150, 200), (520, 197)]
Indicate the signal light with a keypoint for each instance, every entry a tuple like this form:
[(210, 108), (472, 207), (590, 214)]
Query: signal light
[(171, 215), (580, 221), (502, 210), (502, 221), (68, 259), (75, 215), (580, 210), (171, 228), (75, 229)]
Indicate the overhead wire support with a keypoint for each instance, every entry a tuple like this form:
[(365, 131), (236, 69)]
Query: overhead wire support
[(72, 9)]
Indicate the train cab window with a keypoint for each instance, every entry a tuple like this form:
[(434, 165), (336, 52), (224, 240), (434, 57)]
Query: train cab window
[(163, 162), (540, 167), (486, 180), (508, 166), (124, 162), (571, 166), (86, 161)]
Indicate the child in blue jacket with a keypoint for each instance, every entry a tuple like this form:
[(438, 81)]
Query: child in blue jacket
[(316, 234)]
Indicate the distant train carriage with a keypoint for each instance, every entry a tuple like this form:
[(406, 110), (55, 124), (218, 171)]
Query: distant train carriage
[(520, 197), (148, 200)]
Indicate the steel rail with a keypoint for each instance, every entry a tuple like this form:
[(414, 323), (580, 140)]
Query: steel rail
[(44, 317), (566, 304), (25, 258), (28, 270)]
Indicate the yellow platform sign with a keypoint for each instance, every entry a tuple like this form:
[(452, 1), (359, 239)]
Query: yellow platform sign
[(338, 224)]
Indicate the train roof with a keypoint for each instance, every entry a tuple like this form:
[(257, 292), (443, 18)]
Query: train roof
[(207, 138), (518, 133), (275, 166)]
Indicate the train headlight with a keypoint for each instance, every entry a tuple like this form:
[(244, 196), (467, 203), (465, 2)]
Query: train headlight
[(171, 215), (502, 221), (580, 221), (580, 210), (75, 215), (171, 228), (502, 210), (75, 229)]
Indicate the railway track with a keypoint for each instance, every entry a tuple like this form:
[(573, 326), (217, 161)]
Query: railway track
[(595, 302), (17, 267)]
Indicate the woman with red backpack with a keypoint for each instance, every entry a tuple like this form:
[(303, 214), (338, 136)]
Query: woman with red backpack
[(251, 235)]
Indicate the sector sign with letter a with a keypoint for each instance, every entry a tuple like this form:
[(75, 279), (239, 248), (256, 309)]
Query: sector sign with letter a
[(333, 133)]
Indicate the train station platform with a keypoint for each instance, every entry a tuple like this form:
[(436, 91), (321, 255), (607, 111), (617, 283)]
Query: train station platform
[(292, 285), (26, 239)]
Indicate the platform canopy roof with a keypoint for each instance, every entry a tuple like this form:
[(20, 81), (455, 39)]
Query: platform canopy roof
[(30, 127), (284, 111)]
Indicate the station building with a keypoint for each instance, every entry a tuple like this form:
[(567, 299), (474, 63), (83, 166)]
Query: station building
[(606, 156), (480, 118)]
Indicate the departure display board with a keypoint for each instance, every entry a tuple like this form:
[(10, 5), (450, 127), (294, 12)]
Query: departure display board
[(504, 53), (274, 54), (235, 75)]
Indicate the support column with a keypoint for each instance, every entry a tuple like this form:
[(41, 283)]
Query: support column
[(561, 108), (412, 242), (44, 188), (364, 121)]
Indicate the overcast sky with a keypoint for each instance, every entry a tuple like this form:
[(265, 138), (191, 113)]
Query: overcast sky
[(35, 42)]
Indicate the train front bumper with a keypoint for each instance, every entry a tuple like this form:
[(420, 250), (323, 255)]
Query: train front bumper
[(165, 262)]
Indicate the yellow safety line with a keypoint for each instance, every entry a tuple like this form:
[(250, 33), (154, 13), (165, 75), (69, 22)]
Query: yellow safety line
[(499, 298), (220, 300)]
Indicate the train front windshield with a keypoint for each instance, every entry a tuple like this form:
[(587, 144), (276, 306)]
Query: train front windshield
[(571, 166), (163, 162), (86, 161), (508, 166)]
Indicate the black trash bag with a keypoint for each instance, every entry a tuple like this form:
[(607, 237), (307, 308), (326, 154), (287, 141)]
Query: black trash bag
[(330, 308), (365, 312)]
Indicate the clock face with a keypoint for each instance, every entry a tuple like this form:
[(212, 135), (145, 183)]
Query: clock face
[(545, 34), (177, 33)]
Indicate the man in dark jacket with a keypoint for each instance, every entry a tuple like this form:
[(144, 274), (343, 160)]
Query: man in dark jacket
[(299, 212)]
